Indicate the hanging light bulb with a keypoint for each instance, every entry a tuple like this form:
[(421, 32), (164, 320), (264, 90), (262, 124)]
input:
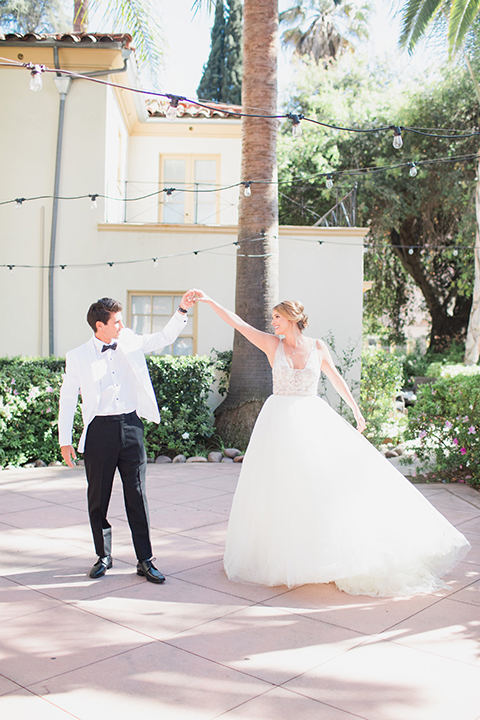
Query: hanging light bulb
[(172, 111), (36, 76), (410, 252), (455, 252), (93, 198), (63, 267), (110, 265), (168, 194), (10, 269), (19, 202), (413, 170), (248, 190), (329, 182), (397, 138), (296, 127), (155, 263)]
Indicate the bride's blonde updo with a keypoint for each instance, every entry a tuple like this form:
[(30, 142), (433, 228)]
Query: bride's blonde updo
[(293, 310)]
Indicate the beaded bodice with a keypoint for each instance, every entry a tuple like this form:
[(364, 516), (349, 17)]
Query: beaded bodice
[(291, 381)]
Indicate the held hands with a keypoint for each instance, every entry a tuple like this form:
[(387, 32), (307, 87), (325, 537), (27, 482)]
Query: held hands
[(188, 300), (203, 297), (69, 455)]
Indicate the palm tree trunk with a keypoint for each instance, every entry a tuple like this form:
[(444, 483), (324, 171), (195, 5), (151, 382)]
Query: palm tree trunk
[(80, 16), (472, 345), (257, 261)]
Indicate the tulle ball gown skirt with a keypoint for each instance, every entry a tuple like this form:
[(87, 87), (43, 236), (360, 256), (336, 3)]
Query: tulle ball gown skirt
[(316, 503)]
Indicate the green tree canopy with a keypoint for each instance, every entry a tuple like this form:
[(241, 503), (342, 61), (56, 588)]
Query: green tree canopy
[(418, 225), (222, 74)]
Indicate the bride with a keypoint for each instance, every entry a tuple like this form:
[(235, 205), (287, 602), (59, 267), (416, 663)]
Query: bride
[(315, 502)]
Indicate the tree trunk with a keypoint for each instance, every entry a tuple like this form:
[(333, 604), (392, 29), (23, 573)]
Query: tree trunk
[(80, 16), (257, 260), (446, 328), (472, 346)]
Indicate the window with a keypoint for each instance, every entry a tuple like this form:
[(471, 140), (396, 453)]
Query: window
[(197, 174), (150, 312)]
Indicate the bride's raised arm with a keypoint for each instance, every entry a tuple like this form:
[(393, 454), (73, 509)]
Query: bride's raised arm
[(264, 341)]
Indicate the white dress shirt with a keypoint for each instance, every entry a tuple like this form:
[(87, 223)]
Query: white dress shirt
[(118, 387)]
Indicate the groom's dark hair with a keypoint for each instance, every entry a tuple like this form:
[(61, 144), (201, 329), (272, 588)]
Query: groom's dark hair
[(101, 310)]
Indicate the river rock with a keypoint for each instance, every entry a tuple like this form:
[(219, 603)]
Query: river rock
[(197, 459), (227, 460), (179, 459), (391, 454), (39, 463), (54, 463), (214, 457), (163, 459), (231, 452), (238, 458)]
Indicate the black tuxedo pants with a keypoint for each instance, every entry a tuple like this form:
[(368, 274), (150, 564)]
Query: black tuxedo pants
[(116, 441)]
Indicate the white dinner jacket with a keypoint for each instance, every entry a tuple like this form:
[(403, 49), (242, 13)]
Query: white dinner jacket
[(83, 371)]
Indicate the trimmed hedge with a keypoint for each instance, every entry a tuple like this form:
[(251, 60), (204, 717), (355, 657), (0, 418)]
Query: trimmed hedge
[(29, 395)]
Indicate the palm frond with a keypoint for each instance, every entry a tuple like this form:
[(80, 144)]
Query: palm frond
[(417, 17), (140, 19), (462, 16)]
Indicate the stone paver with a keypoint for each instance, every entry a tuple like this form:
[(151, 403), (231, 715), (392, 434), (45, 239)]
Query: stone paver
[(200, 647)]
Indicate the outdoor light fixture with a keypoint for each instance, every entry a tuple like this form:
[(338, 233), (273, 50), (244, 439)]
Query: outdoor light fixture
[(397, 138)]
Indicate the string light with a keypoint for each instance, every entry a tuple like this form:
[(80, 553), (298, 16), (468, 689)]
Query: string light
[(296, 127), (19, 202), (410, 252), (172, 111), (36, 76), (10, 269), (413, 170), (175, 99), (397, 138), (455, 252), (248, 190), (110, 265), (168, 194), (93, 199), (329, 182), (155, 263)]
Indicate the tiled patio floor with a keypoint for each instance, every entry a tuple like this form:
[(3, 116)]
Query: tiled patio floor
[(200, 647)]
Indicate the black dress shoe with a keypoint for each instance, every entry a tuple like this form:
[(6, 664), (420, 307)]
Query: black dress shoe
[(147, 569), (101, 566)]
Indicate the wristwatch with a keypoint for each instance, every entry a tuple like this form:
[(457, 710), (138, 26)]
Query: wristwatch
[(182, 310)]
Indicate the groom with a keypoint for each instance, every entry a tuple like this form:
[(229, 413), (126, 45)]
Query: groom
[(112, 376)]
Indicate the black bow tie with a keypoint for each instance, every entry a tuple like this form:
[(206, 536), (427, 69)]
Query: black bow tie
[(113, 346)]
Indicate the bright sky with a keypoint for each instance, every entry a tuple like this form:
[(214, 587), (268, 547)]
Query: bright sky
[(188, 39)]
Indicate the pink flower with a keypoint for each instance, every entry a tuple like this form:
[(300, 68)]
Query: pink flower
[(422, 435), (15, 392), (455, 441), (471, 430), (448, 425), (49, 389), (13, 381), (463, 451)]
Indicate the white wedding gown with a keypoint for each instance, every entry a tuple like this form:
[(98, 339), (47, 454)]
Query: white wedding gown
[(316, 503)]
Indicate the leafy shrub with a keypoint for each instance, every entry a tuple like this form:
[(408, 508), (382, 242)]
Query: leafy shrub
[(418, 365), (29, 396), (445, 421), (223, 364), (182, 386), (381, 382)]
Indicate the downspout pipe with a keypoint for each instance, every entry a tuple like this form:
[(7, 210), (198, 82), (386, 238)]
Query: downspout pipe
[(63, 86), (63, 83)]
